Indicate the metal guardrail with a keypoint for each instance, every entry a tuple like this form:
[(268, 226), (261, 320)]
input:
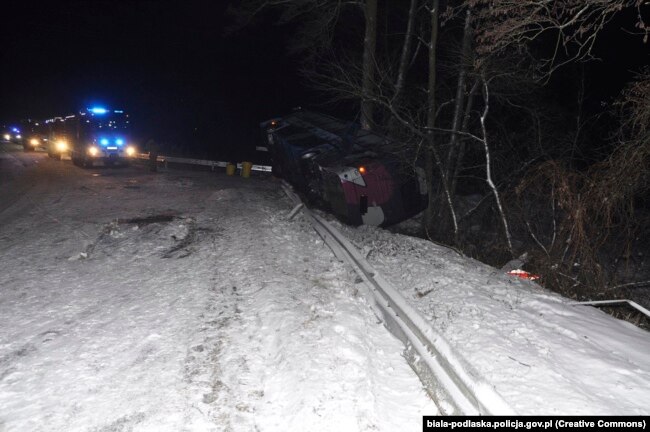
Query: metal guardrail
[(452, 383), (635, 305), (212, 164)]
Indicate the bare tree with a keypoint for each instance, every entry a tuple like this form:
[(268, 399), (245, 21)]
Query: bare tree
[(574, 24), (406, 52), (433, 158), (575, 218), (488, 165), (368, 68), (635, 106), (404, 62), (459, 101)]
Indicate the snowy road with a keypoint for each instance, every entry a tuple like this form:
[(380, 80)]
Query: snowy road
[(13, 164), (181, 301)]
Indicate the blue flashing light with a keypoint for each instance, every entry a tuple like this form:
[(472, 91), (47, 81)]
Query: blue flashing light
[(119, 141), (103, 141), (118, 111), (98, 110), (15, 130)]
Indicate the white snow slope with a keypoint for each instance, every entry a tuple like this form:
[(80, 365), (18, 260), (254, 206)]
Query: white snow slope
[(186, 301)]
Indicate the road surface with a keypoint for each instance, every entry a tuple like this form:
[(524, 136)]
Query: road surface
[(133, 300)]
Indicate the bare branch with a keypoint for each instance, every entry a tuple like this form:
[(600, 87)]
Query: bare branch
[(576, 23)]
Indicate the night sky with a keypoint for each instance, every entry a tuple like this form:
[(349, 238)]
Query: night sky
[(183, 79)]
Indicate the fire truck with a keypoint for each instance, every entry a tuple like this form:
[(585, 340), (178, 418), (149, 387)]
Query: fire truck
[(95, 135)]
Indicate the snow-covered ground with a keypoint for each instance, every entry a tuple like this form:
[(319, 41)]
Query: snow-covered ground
[(543, 355), (183, 301), (186, 301)]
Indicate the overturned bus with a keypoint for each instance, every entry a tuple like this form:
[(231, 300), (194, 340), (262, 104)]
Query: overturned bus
[(358, 175)]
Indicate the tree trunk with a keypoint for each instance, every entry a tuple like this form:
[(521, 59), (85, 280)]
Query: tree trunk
[(406, 51), (429, 214), (459, 102), (461, 143), (488, 167), (369, 43), (403, 62)]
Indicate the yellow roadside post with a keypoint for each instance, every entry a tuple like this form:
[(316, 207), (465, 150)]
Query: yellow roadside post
[(246, 169)]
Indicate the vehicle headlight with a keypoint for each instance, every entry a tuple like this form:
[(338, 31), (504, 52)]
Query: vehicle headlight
[(61, 146), (93, 151), (7, 137), (33, 141), (130, 151)]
